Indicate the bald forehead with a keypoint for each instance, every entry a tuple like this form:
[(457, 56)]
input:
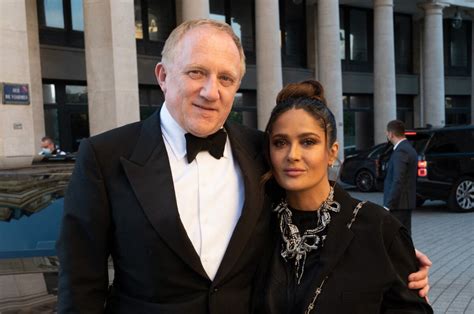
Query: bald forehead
[(207, 35)]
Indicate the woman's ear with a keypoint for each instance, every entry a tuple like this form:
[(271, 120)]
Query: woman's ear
[(333, 151)]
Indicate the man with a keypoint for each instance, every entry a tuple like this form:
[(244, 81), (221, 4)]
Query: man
[(400, 181), (48, 147), (187, 230)]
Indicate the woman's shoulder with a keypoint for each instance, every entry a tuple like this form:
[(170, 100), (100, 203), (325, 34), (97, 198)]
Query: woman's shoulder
[(371, 217)]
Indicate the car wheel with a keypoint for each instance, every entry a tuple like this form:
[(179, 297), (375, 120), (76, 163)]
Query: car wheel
[(365, 181), (462, 195)]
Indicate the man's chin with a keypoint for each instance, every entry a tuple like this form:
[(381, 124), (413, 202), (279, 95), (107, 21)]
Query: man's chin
[(203, 132)]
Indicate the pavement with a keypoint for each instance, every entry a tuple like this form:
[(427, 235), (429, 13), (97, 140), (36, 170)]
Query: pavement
[(448, 240)]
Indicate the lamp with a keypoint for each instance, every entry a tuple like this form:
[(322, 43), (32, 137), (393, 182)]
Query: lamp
[(456, 21)]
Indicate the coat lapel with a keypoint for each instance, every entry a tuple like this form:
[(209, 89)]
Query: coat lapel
[(339, 236), (252, 166), (149, 174)]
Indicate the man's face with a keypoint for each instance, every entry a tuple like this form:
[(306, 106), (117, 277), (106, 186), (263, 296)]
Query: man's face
[(200, 83), (389, 136), (47, 144)]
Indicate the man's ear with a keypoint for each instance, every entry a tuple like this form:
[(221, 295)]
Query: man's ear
[(160, 73)]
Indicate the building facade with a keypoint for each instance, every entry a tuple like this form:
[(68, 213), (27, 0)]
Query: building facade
[(88, 66)]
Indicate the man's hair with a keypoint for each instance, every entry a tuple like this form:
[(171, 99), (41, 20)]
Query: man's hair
[(168, 53), (397, 127), (47, 139)]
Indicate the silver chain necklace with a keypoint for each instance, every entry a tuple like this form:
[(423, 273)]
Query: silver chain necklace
[(297, 246)]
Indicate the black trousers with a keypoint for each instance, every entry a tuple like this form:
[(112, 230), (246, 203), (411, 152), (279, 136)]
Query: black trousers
[(404, 216)]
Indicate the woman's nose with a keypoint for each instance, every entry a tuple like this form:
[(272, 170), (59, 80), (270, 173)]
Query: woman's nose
[(293, 152)]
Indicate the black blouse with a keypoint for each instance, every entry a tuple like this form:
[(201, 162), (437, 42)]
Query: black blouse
[(288, 294)]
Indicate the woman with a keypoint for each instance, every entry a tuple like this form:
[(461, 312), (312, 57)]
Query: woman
[(335, 254)]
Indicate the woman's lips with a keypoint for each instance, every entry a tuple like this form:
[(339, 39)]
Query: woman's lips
[(293, 172)]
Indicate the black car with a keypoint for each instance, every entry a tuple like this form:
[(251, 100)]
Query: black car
[(446, 165), (363, 169)]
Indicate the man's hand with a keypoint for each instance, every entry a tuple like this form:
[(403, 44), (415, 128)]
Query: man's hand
[(419, 280)]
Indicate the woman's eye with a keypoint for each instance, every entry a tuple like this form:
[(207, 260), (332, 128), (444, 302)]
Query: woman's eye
[(195, 74), (308, 142), (278, 143)]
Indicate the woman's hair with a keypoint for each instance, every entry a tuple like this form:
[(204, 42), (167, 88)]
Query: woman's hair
[(308, 96)]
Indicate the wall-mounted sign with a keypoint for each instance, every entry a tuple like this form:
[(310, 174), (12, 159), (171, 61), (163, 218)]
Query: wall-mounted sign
[(15, 94), (17, 126)]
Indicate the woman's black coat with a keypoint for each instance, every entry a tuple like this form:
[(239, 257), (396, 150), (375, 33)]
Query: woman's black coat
[(365, 267)]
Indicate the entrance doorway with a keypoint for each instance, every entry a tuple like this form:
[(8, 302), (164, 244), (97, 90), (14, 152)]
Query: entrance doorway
[(65, 113)]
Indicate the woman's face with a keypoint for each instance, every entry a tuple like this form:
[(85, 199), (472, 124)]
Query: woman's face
[(299, 153)]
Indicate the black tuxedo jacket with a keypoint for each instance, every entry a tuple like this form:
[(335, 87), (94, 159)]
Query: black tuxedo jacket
[(121, 202), (400, 180)]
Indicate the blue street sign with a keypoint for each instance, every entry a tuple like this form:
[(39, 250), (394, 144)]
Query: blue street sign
[(15, 94)]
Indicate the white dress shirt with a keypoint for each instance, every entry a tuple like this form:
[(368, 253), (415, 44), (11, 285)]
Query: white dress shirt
[(209, 194), (396, 145)]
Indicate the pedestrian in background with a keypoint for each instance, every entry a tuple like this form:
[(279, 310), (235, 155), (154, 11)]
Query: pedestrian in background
[(49, 148), (400, 182)]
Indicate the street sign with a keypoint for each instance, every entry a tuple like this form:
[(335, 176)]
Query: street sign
[(15, 94)]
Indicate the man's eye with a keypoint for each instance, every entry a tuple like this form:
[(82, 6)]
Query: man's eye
[(226, 80), (195, 74)]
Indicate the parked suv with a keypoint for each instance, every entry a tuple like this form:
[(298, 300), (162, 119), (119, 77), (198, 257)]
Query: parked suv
[(446, 165), (362, 168)]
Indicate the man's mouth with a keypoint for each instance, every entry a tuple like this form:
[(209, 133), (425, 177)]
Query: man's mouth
[(204, 107)]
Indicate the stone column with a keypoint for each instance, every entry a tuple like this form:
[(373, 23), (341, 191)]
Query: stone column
[(21, 126), (36, 85), (193, 9), (111, 64), (385, 99), (433, 65), (417, 69), (329, 62), (269, 70)]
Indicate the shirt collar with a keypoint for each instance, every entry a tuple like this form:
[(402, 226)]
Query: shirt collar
[(173, 134), (396, 145)]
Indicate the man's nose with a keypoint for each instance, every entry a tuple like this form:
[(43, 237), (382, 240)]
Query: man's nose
[(210, 90)]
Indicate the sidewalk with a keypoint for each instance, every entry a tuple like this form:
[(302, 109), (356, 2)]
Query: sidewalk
[(448, 239)]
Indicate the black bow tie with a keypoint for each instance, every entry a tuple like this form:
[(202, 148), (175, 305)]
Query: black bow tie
[(214, 143)]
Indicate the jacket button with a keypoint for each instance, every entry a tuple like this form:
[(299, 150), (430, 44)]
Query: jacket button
[(215, 290)]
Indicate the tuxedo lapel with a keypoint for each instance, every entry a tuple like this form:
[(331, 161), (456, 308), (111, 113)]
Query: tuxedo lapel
[(149, 174), (251, 164)]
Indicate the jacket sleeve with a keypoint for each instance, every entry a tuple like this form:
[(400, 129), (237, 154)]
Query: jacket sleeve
[(398, 298), (82, 246), (400, 171)]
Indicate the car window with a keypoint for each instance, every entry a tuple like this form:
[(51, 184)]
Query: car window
[(457, 141), (378, 149), (418, 141)]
